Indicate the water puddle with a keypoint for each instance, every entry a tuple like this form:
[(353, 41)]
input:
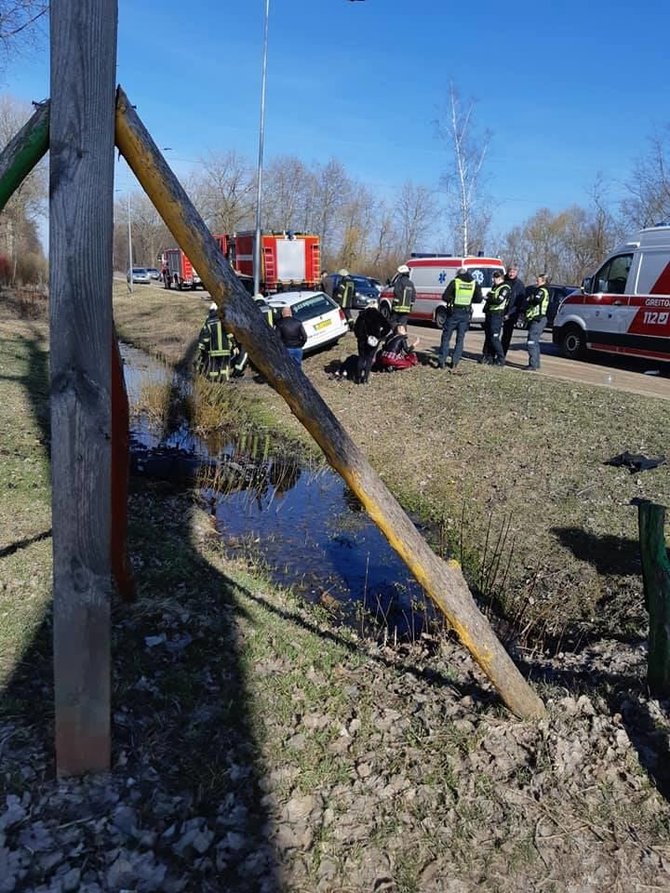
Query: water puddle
[(301, 521)]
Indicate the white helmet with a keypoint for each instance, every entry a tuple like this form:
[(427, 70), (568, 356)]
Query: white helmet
[(403, 268), (343, 272), (213, 306), (259, 297)]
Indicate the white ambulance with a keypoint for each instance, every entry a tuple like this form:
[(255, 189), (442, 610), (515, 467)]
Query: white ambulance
[(624, 308), (431, 274)]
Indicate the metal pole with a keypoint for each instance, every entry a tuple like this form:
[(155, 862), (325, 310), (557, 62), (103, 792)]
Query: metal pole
[(261, 140), (130, 248)]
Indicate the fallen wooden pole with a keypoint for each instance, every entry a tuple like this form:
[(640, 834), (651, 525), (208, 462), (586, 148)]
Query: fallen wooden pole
[(656, 577), (444, 582)]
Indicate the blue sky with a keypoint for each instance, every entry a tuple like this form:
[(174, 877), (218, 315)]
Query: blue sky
[(568, 90)]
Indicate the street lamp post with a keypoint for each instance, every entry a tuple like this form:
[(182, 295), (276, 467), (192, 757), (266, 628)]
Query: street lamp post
[(130, 247), (261, 140)]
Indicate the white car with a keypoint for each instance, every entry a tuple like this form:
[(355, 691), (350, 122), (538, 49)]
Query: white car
[(324, 321)]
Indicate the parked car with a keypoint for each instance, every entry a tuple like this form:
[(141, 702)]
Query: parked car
[(556, 294), (366, 294), (324, 322), (153, 273), (139, 275)]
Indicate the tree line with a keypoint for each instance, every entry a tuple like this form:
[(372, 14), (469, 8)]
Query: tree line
[(360, 230)]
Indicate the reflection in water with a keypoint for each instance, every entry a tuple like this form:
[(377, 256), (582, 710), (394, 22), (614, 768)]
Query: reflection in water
[(304, 523)]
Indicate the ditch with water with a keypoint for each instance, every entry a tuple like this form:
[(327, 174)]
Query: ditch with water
[(298, 518)]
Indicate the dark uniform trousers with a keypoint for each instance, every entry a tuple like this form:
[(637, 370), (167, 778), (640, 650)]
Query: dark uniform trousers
[(493, 349), (458, 320)]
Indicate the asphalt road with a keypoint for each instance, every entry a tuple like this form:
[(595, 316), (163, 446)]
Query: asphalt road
[(620, 373)]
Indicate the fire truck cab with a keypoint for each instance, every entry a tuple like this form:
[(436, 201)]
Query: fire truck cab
[(624, 308)]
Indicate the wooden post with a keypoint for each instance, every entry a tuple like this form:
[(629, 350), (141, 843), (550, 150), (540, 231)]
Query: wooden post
[(83, 67), (656, 577), (444, 582)]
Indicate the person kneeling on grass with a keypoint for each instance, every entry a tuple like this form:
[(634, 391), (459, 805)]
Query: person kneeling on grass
[(398, 352), (370, 329)]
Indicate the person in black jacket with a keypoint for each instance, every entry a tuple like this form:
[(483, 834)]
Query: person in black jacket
[(292, 333), (515, 305), (370, 329)]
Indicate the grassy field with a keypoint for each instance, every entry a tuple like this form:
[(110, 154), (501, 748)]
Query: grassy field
[(305, 758), (508, 468)]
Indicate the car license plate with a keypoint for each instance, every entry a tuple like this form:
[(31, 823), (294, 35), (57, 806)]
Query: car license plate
[(322, 325)]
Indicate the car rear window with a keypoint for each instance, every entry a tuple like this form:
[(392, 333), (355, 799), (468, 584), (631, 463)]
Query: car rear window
[(312, 307)]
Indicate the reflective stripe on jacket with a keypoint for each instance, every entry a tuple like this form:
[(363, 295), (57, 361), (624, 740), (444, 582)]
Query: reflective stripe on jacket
[(404, 295), (538, 304), (464, 292), (496, 300)]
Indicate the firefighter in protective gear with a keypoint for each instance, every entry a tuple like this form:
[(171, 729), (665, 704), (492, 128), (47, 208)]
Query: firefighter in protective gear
[(494, 312), (344, 294), (537, 305), (265, 309), (214, 348), (458, 296), (404, 296)]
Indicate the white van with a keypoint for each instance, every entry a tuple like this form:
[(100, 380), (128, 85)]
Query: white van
[(624, 308), (431, 274)]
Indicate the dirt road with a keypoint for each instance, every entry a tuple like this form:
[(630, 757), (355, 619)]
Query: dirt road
[(623, 374)]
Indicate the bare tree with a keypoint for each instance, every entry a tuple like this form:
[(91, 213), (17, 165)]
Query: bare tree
[(224, 192), (463, 177), (288, 189), (648, 201), (415, 212), (20, 23)]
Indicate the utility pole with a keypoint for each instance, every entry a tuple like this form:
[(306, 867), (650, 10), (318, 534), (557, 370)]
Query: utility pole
[(261, 141), (130, 248)]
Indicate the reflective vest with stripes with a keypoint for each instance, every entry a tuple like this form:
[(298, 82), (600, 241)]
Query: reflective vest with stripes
[(464, 292), (539, 307), (496, 300)]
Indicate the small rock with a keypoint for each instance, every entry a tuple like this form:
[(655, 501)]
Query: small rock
[(202, 841), (70, 881)]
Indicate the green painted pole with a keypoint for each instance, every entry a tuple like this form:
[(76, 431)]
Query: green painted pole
[(23, 152), (656, 576)]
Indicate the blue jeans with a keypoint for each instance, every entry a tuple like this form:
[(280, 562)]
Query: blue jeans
[(296, 353), (535, 329), (458, 321)]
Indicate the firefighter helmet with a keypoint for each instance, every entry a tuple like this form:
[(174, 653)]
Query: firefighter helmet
[(403, 268), (343, 272)]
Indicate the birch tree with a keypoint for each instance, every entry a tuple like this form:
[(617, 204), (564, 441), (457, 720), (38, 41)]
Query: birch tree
[(648, 187), (464, 174)]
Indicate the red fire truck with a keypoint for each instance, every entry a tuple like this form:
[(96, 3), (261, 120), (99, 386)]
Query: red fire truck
[(288, 260), (182, 273)]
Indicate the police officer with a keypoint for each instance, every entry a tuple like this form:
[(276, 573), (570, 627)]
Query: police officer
[(537, 304), (458, 296), (344, 294), (494, 310), (515, 305), (214, 347), (404, 296)]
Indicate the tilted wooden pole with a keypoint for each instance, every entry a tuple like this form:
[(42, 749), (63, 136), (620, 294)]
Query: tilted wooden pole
[(444, 582), (656, 576), (23, 152), (83, 67)]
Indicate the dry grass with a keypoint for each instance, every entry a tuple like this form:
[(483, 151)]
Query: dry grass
[(485, 452)]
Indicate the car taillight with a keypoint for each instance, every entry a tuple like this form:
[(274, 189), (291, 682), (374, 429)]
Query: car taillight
[(342, 316)]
